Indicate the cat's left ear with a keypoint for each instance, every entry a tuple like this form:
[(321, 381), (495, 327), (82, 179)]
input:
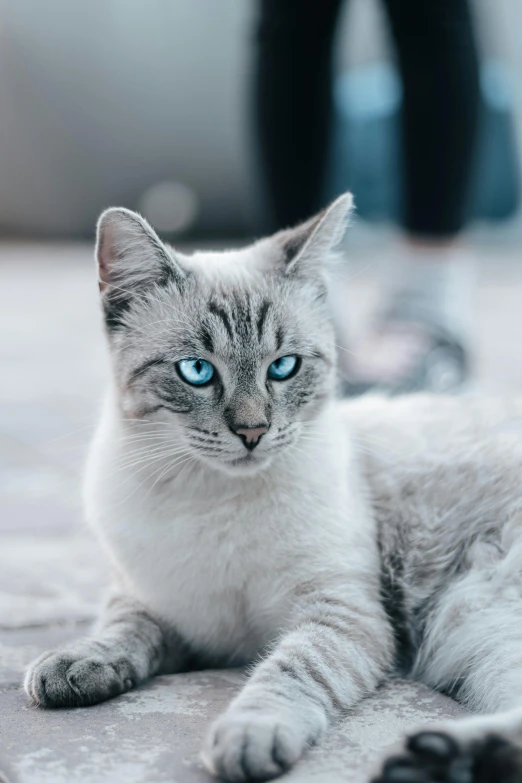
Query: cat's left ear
[(307, 248)]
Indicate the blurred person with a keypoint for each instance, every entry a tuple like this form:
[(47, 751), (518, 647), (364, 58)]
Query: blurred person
[(419, 337)]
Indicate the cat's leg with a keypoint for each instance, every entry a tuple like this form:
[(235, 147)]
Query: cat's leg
[(335, 653), (473, 650), (128, 647)]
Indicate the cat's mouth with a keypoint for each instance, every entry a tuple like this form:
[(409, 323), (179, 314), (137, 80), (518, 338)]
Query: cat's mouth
[(251, 462), (246, 462)]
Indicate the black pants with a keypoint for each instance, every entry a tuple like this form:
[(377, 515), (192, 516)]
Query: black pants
[(439, 70)]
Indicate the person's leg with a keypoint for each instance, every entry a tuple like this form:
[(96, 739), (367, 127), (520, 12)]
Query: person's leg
[(425, 296), (439, 69), (293, 96)]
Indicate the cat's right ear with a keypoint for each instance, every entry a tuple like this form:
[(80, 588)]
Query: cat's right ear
[(131, 258), (307, 249)]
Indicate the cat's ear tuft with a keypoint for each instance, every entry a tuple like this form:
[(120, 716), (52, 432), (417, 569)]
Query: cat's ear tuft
[(308, 247), (131, 258), (130, 254)]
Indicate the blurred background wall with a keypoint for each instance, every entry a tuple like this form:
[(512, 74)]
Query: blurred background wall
[(146, 103)]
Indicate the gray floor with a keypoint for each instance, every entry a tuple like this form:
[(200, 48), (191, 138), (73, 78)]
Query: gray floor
[(53, 366)]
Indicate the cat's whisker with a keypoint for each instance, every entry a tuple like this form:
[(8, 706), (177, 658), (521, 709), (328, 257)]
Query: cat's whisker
[(154, 334), (146, 298), (146, 437), (132, 472), (191, 462), (346, 350), (342, 280), (86, 428), (372, 453), (374, 442), (90, 426), (149, 440), (144, 443), (294, 449), (147, 459), (144, 331), (357, 439), (133, 475), (150, 450), (140, 423), (337, 281), (169, 321), (170, 466), (145, 456)]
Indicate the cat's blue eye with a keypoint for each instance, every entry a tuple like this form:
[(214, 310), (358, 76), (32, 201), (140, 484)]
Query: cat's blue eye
[(196, 371), (283, 368)]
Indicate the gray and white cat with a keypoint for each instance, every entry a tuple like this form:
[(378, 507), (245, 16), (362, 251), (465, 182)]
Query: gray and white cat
[(250, 516)]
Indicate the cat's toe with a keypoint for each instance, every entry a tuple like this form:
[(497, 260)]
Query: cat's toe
[(66, 680), (248, 746), (434, 746), (496, 760), (436, 756)]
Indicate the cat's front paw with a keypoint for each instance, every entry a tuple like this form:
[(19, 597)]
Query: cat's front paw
[(249, 745), (436, 756), (69, 679)]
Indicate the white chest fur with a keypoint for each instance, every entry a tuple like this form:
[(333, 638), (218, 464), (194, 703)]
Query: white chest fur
[(217, 558)]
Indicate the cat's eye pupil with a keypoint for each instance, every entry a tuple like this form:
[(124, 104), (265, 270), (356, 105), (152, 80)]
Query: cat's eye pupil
[(196, 372)]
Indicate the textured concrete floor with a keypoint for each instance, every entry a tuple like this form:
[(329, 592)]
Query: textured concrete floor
[(52, 370)]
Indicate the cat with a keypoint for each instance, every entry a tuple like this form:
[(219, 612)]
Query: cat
[(249, 516)]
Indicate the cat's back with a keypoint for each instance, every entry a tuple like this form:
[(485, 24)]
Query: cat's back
[(445, 482), (461, 456), (444, 423)]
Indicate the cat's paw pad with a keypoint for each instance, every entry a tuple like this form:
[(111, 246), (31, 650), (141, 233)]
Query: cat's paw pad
[(63, 679), (246, 746), (436, 756)]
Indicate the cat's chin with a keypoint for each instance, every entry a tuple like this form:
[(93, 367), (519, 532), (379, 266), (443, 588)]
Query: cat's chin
[(246, 465)]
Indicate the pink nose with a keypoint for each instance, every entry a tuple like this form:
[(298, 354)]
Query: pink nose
[(251, 435)]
